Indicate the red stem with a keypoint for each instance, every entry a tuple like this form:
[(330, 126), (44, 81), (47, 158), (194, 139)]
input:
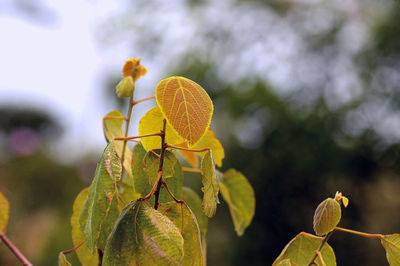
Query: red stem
[(73, 249), (15, 250)]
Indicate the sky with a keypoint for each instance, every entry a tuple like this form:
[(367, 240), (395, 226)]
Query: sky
[(58, 66), (60, 60)]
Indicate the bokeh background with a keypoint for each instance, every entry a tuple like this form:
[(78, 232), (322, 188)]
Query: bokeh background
[(306, 96)]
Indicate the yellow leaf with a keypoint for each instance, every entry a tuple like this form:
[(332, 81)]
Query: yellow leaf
[(113, 128), (189, 156), (62, 260), (186, 106), (345, 201), (210, 141), (152, 122), (83, 253), (4, 210), (133, 68), (207, 141)]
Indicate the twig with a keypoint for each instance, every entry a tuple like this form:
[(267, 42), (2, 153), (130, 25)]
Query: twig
[(359, 233), (137, 137), (142, 100), (186, 149), (128, 121), (170, 193), (15, 250), (324, 240)]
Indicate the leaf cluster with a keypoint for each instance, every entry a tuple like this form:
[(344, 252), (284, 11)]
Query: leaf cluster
[(136, 210)]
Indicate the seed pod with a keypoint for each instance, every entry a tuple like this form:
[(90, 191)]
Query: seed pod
[(327, 216)]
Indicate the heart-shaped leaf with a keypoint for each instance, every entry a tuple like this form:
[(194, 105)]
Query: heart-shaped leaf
[(186, 105)]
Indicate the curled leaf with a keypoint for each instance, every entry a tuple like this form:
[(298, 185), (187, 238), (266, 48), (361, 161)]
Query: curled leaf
[(113, 128), (125, 87), (210, 185)]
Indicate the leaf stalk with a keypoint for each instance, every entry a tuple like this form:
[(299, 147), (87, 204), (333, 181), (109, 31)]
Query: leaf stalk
[(324, 240), (359, 233), (15, 250)]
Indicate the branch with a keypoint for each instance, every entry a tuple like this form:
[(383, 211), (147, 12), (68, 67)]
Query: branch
[(359, 233), (128, 120), (15, 250), (324, 240), (157, 185), (160, 168)]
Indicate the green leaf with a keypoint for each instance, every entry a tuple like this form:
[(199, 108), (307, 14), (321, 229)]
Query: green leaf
[(102, 205), (145, 170), (391, 243), (127, 192), (152, 163), (113, 128), (239, 195), (143, 236), (62, 260), (210, 186), (4, 212), (301, 249), (286, 262), (138, 169), (186, 106), (185, 221), (174, 184), (193, 200), (327, 216), (83, 253)]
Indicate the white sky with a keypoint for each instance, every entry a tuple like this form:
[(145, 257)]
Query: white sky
[(59, 68)]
